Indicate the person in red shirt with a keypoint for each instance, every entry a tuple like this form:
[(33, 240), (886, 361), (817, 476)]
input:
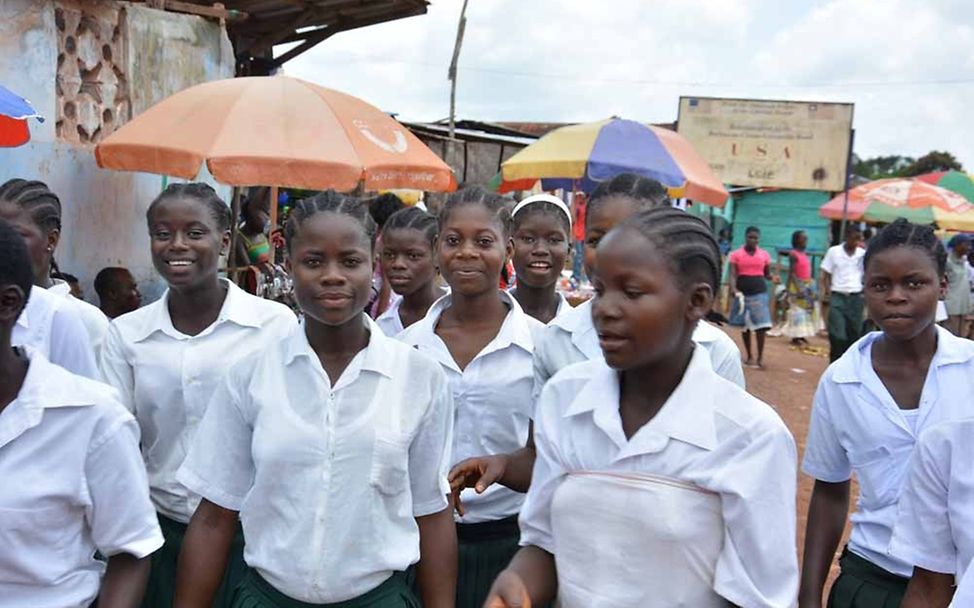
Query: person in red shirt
[(578, 228), (750, 269)]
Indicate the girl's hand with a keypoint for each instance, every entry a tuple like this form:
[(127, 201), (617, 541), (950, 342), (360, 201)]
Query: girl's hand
[(477, 473), (508, 591)]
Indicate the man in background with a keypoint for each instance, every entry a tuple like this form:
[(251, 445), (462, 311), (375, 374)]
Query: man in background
[(117, 291)]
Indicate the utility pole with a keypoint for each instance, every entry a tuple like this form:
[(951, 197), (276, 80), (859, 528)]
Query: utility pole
[(452, 73)]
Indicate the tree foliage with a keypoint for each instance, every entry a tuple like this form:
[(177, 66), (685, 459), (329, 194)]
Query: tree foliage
[(895, 165)]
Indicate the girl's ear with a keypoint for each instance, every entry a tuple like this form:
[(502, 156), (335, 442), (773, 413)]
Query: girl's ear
[(53, 238), (225, 242), (509, 249), (700, 302), (12, 301)]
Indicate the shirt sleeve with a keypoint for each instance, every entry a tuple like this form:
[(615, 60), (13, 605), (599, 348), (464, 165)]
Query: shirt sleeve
[(219, 465), (726, 358), (548, 474), (430, 451), (758, 565), (71, 346), (825, 457), (115, 368), (828, 263), (922, 535), (541, 372), (120, 514)]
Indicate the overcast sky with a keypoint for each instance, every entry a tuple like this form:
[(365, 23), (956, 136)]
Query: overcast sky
[(907, 65)]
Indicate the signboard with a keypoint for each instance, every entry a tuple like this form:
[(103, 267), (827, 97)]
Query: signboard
[(782, 144)]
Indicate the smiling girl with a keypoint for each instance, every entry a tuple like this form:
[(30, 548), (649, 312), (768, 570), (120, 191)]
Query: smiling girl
[(542, 226), (166, 359)]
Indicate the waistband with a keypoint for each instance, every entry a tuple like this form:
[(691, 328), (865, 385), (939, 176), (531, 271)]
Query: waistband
[(489, 530), (395, 584), (847, 293), (864, 569)]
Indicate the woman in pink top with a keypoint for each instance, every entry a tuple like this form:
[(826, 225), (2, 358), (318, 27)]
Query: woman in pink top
[(802, 319), (750, 269)]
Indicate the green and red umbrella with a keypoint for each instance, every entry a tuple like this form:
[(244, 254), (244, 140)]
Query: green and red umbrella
[(955, 181)]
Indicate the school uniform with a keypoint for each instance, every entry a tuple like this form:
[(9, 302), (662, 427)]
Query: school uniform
[(935, 524), (857, 427), (846, 302), (96, 323), (166, 378), (571, 338), (676, 515), (494, 406), (50, 327), (328, 477), (73, 484), (389, 321), (964, 594)]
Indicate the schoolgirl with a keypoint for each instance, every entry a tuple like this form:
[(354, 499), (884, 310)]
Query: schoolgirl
[(167, 358), (331, 447), (408, 267), (542, 231), (869, 408), (73, 482), (484, 342), (655, 478)]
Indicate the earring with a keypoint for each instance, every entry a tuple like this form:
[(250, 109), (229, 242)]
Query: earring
[(50, 249)]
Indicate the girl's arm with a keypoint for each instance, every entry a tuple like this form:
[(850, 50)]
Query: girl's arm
[(823, 532), (204, 554), (732, 277), (436, 573), (124, 582), (929, 589), (791, 270), (529, 580)]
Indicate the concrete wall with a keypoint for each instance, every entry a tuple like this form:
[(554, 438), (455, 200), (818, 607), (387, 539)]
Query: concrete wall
[(104, 211)]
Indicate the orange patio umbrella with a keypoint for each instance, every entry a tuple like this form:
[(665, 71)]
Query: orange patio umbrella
[(275, 131)]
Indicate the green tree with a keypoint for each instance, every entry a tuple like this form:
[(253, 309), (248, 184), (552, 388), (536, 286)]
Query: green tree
[(880, 167), (933, 161)]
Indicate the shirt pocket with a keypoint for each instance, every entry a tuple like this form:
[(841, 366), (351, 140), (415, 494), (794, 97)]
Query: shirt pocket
[(881, 473), (37, 544), (389, 472)]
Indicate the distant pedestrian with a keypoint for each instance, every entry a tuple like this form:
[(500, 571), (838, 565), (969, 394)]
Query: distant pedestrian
[(958, 283), (117, 291), (578, 229), (750, 270), (801, 291), (842, 285)]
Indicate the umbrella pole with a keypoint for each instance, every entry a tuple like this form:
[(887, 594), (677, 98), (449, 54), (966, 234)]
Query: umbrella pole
[(848, 181), (273, 217)]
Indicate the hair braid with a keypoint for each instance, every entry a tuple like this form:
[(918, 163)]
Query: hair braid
[(685, 240), (200, 192), (329, 202), (494, 203), (36, 198), (414, 218), (902, 233), (647, 193)]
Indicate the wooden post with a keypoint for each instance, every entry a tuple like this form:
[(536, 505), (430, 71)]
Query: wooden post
[(452, 73), (273, 217), (235, 194)]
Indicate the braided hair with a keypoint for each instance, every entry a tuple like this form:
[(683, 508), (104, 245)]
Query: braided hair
[(494, 203), (646, 192), (199, 192), (414, 218), (685, 240), (15, 266), (902, 233), (36, 198), (330, 202)]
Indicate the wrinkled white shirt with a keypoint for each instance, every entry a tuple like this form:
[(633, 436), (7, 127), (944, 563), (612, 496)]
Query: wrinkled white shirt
[(94, 319), (57, 331)]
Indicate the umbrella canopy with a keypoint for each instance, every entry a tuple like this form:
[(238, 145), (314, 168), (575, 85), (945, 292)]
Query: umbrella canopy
[(900, 196), (598, 151), (14, 112), (275, 131), (955, 181)]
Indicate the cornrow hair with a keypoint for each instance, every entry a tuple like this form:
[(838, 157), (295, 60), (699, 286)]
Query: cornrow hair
[(36, 198), (753, 229), (414, 218), (498, 206), (199, 192), (646, 192), (330, 202), (685, 240), (15, 266), (903, 233)]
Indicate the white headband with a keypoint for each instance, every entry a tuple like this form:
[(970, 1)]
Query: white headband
[(544, 198)]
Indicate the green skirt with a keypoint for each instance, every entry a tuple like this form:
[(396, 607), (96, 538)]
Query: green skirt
[(255, 592), (863, 584), (161, 588), (484, 549)]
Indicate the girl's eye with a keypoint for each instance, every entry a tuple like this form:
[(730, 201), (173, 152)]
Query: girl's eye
[(877, 286), (527, 240), (593, 241), (556, 240), (415, 257), (632, 294), (160, 235), (195, 234), (312, 263), (915, 284), (352, 262), (485, 242), (452, 241), (388, 255)]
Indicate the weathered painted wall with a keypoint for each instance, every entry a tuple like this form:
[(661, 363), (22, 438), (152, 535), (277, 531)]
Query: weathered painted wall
[(104, 211)]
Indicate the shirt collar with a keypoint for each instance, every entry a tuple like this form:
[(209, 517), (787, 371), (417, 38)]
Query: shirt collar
[(235, 309), (515, 330), (687, 416), (578, 323), (376, 357), (950, 350), (49, 386), (60, 287)]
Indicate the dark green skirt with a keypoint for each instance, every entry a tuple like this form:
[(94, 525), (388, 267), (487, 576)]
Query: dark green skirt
[(485, 549), (161, 588), (863, 584), (255, 592)]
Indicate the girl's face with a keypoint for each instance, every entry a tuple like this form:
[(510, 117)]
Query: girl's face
[(40, 243), (962, 249), (902, 287), (407, 260), (801, 241), (472, 250), (641, 311), (540, 249), (602, 218), (186, 242), (331, 265)]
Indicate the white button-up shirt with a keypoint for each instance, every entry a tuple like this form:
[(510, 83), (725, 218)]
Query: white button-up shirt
[(964, 595), (57, 331), (328, 478), (710, 435), (571, 338), (856, 426), (935, 527), (166, 378), (846, 270), (73, 484), (492, 397), (94, 319), (389, 321)]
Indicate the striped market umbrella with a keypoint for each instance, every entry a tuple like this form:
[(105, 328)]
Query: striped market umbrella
[(884, 200), (14, 112), (955, 181), (579, 156)]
